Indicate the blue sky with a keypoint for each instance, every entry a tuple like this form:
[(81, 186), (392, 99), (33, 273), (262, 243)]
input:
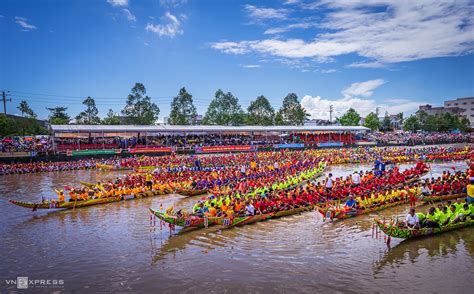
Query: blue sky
[(394, 55)]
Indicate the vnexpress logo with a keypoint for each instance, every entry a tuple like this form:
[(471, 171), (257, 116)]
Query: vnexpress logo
[(22, 282), (26, 283)]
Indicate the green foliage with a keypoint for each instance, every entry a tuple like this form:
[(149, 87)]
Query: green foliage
[(139, 109), (260, 112), (183, 111), (58, 116), (279, 121), (291, 112), (112, 118), (412, 123), (431, 123), (350, 118), (386, 123), (224, 109), (90, 115), (372, 121), (26, 109), (20, 127)]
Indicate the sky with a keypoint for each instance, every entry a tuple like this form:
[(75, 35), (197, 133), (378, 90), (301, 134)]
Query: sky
[(395, 55)]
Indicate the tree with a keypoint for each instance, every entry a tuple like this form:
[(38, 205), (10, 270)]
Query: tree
[(260, 112), (90, 115), (224, 109), (139, 109), (111, 119), (411, 124), (58, 116), (291, 112), (6, 125), (386, 123), (372, 121), (350, 118), (279, 121), (183, 111), (464, 124), (25, 109)]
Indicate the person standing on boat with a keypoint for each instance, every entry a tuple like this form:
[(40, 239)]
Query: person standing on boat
[(412, 220), (470, 192), (249, 209), (356, 178)]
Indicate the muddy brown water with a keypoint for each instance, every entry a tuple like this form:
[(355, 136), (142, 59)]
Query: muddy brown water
[(112, 248)]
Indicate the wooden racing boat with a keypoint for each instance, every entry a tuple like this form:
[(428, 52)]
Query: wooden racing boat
[(83, 203), (395, 231), (195, 222), (428, 199), (191, 192), (107, 167), (340, 214), (246, 220)]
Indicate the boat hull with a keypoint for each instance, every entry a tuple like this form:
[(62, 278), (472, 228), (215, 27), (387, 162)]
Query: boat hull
[(405, 233)]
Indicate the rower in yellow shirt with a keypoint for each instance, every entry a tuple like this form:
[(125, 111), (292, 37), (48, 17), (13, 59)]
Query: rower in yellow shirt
[(61, 197)]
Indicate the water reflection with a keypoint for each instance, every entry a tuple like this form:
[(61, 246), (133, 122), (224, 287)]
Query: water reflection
[(110, 248)]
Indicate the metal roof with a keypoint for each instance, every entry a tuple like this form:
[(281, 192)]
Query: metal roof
[(198, 128)]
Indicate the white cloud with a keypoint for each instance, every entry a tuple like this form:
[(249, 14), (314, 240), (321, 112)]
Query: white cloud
[(289, 2), (374, 64), (250, 65), (287, 28), (129, 15), (170, 29), (24, 23), (383, 31), (328, 71), (172, 3), (260, 13), (118, 2), (364, 89), (318, 107)]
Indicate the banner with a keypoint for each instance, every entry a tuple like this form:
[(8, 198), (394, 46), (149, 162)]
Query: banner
[(330, 144), (150, 150), (234, 148), (92, 152), (366, 143), (14, 154), (279, 146)]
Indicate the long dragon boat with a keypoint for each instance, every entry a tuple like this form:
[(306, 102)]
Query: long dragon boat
[(191, 192), (107, 167), (429, 199), (83, 203), (195, 222), (396, 231), (341, 214)]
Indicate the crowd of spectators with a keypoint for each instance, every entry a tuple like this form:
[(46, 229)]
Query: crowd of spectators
[(44, 144), (418, 138), (25, 144)]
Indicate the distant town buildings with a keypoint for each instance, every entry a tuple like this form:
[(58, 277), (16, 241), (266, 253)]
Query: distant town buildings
[(460, 106), (317, 122)]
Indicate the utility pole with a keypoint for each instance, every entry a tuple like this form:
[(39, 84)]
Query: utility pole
[(4, 97), (331, 109)]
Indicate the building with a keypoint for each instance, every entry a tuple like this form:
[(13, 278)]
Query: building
[(317, 122), (466, 104), (441, 110), (86, 137)]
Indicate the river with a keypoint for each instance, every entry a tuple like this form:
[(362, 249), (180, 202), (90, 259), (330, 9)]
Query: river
[(112, 248)]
